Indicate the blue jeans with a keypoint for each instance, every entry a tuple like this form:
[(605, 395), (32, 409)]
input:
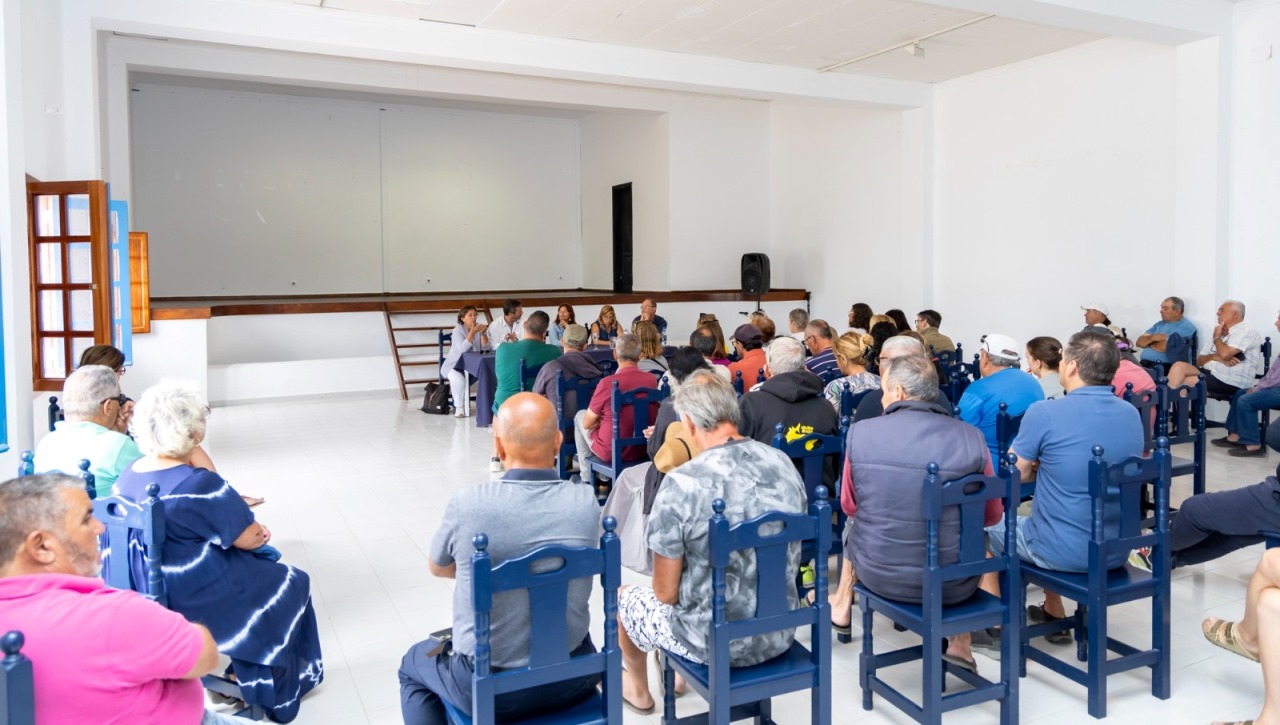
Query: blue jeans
[(1242, 419)]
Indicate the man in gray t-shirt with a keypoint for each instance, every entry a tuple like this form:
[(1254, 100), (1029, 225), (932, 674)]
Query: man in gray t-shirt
[(527, 508), (752, 478)]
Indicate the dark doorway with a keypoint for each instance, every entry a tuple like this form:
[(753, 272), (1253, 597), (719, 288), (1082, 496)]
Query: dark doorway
[(622, 237)]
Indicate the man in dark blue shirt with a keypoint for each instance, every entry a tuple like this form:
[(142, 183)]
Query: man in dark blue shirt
[(649, 313), (818, 337)]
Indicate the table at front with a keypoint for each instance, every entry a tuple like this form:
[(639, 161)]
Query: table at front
[(480, 365)]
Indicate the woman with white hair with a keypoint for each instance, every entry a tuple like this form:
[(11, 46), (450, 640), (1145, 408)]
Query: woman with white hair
[(258, 610)]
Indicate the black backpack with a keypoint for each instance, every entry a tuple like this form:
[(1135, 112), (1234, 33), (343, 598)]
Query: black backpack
[(436, 400)]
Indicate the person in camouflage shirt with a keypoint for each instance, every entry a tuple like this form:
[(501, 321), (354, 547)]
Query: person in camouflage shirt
[(752, 479)]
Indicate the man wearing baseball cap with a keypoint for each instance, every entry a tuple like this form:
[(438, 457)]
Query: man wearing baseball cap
[(748, 343), (1002, 381), (1096, 314)]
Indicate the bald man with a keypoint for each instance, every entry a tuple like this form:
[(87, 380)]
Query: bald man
[(649, 313), (527, 507)]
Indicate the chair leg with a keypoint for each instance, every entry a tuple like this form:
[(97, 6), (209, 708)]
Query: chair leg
[(668, 692), (1023, 642), (1097, 677), (1161, 671), (934, 676), (1082, 632), (764, 713), (867, 660)]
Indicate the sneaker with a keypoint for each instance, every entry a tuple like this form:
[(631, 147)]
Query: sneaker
[(1141, 559), (495, 465), (459, 413), (986, 641), (1037, 615), (807, 577)]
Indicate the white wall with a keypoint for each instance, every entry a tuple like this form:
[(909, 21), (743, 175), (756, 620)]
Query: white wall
[(836, 198), (14, 287), (248, 193), (1055, 188)]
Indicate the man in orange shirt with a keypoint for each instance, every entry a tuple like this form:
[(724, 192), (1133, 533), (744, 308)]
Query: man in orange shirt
[(748, 344)]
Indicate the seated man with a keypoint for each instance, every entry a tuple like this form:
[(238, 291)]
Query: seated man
[(748, 344), (819, 338), (895, 347), (1097, 316), (91, 400), (528, 507), (1154, 341), (1054, 447), (791, 396), (99, 655), (885, 532), (675, 614), (704, 341), (507, 328), (1230, 361), (506, 364), (927, 324), (649, 313), (573, 362), (1243, 435), (1002, 381), (1211, 525), (593, 425)]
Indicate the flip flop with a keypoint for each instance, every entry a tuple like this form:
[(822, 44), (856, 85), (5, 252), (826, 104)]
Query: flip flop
[(968, 665), (1222, 633), (846, 629), (681, 686), (637, 710)]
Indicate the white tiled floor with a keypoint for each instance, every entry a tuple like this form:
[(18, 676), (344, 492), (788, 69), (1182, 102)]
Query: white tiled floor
[(356, 486)]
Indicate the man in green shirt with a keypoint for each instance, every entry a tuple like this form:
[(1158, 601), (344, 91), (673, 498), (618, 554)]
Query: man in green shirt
[(531, 348), (91, 401)]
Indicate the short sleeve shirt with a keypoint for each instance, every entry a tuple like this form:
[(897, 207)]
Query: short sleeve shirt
[(1061, 434), (103, 655), (1243, 374), (824, 366), (752, 478), (628, 379), (107, 451), (520, 512), (1183, 327), (981, 401)]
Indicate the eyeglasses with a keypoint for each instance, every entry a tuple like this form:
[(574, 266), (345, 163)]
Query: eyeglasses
[(121, 399)]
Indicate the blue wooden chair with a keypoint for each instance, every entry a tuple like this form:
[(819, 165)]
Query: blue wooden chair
[(133, 554), (1114, 488), (813, 453), (582, 390), (1007, 427), (740, 692), (26, 463), (644, 404), (17, 689), (27, 467), (849, 401), (549, 653), (607, 367), (738, 386), (1186, 420), (933, 621), (55, 412), (528, 374)]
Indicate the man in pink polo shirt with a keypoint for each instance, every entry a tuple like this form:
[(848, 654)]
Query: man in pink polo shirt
[(99, 655)]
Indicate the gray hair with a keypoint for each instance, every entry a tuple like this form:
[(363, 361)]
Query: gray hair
[(707, 401), (902, 345), (169, 419), (1177, 303), (32, 503), (798, 317), (86, 388), (1000, 361), (784, 355), (916, 375), (629, 347), (1238, 305)]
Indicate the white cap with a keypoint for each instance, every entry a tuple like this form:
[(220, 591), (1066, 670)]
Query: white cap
[(1097, 306), (1001, 346)]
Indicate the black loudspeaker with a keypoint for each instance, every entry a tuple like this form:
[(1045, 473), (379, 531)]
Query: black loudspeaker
[(755, 273)]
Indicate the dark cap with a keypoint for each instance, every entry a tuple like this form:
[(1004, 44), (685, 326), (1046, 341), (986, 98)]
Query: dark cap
[(747, 333)]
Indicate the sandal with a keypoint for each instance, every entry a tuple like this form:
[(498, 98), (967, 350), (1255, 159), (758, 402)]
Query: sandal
[(847, 629), (1222, 633), (967, 665), (253, 501)]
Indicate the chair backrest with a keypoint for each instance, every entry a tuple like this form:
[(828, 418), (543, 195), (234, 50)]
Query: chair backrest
[(849, 401), (810, 454), (1266, 356), (581, 390), (1007, 427), (737, 383), (549, 652), (27, 467), (17, 688), (1149, 404), (528, 374), (1185, 406), (56, 414), (442, 339), (770, 536), (644, 405), (26, 463), (607, 367), (970, 494), (759, 377), (1116, 491), (134, 526)]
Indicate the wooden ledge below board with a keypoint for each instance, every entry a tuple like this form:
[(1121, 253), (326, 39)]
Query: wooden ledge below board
[(203, 308)]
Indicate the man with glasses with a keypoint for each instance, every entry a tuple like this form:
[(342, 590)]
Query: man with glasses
[(872, 404), (1002, 381), (818, 339), (927, 323), (92, 402)]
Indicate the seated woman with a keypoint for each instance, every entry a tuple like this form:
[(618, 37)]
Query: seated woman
[(768, 330), (467, 336), (1044, 355), (710, 322), (651, 359), (606, 326), (564, 317), (258, 611), (852, 351), (880, 334)]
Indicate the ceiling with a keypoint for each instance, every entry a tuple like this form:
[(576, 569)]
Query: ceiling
[(865, 37)]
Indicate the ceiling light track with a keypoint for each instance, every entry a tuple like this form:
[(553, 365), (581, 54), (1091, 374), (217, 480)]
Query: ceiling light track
[(905, 44)]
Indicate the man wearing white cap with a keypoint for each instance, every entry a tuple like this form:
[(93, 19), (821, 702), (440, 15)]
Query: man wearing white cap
[(1002, 381), (1097, 315)]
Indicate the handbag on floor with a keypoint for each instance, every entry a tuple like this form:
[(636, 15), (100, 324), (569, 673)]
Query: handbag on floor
[(436, 400)]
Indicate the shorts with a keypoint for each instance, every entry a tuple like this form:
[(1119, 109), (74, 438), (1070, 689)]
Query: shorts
[(647, 622)]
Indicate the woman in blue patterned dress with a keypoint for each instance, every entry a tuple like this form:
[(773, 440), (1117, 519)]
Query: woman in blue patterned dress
[(258, 610)]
